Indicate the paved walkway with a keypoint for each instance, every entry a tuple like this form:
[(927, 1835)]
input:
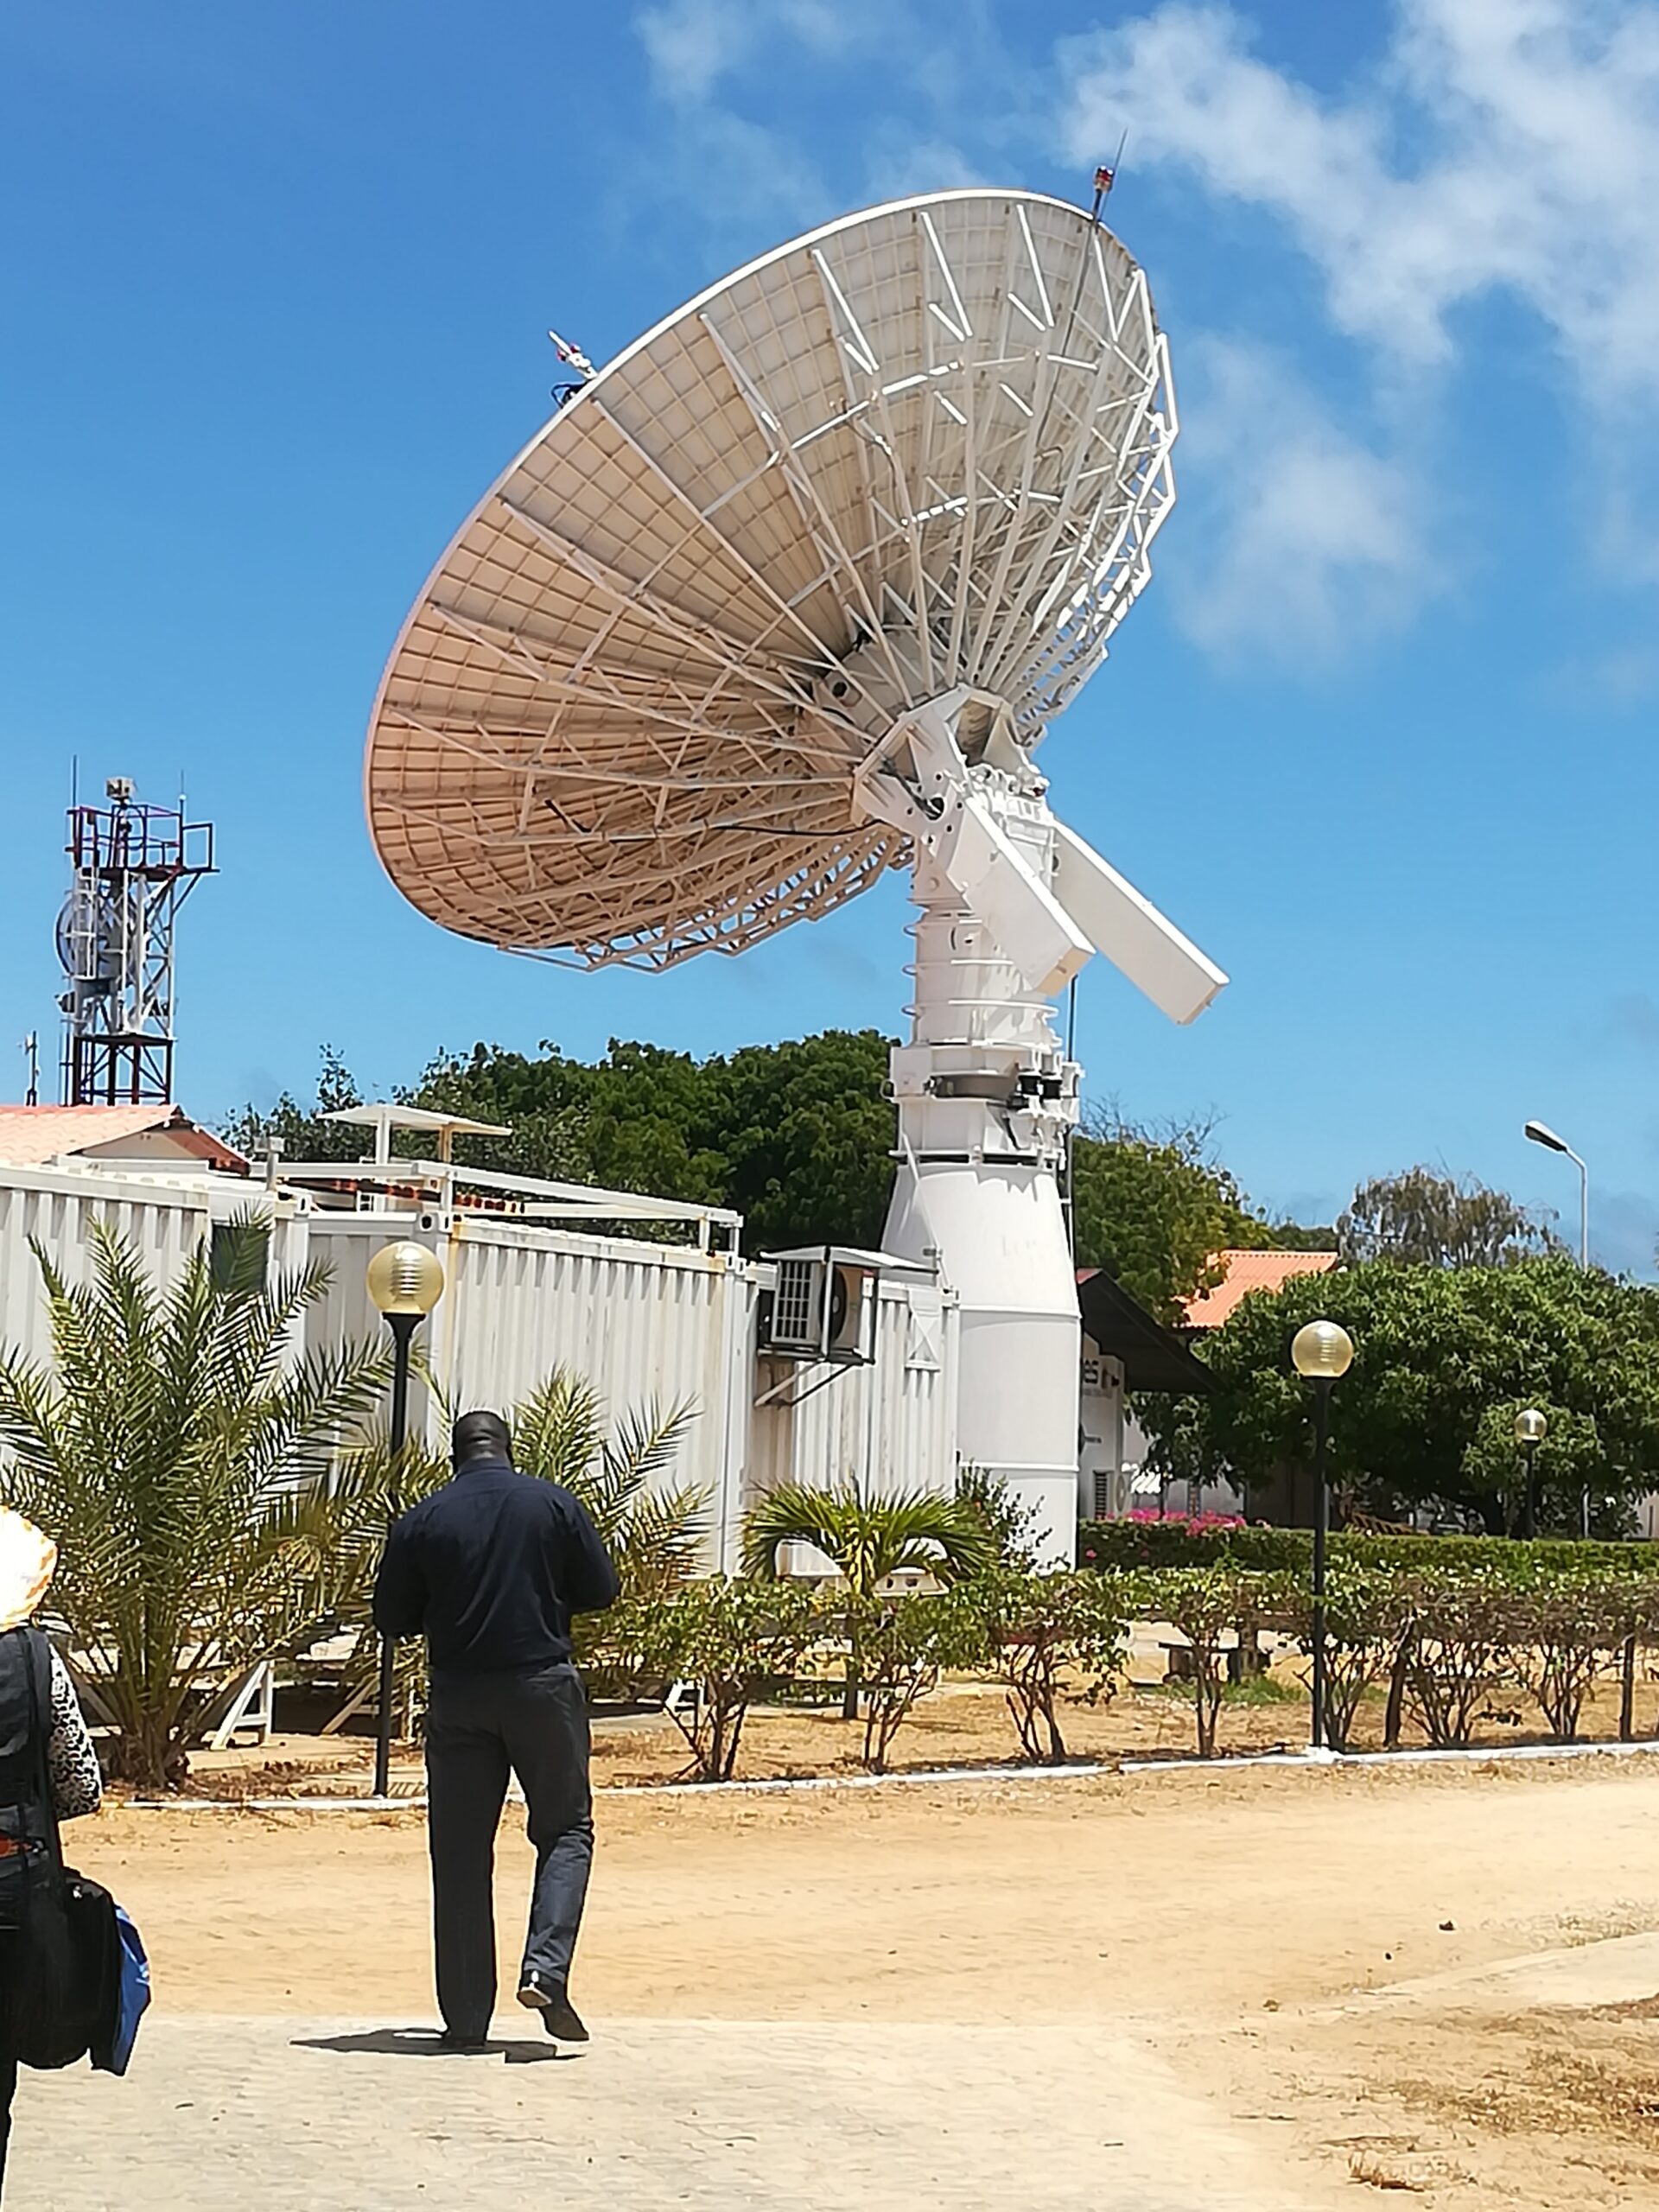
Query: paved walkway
[(288, 2116)]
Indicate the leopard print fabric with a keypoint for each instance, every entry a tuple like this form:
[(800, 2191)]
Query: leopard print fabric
[(71, 1762)]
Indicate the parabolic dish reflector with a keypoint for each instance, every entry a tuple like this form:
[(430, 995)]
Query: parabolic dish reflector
[(924, 448)]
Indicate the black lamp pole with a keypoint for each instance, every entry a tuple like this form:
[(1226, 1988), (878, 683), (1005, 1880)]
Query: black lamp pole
[(1321, 1386), (402, 1326), (1529, 1517)]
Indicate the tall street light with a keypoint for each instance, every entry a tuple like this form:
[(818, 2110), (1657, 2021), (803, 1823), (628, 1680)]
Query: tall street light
[(1321, 1352), (1530, 1430), (405, 1281), (1539, 1134)]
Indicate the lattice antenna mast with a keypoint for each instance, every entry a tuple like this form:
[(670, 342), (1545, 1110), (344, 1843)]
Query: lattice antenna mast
[(132, 867)]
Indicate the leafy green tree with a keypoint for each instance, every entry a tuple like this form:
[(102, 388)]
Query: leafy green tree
[(547, 1139), (1425, 1219), (182, 1459), (809, 1139), (1153, 1209), (1437, 1349), (797, 1137), (305, 1132)]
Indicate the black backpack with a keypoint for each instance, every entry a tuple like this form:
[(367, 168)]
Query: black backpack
[(60, 1996)]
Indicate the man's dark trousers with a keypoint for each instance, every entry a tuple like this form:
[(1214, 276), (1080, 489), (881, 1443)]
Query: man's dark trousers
[(478, 1728)]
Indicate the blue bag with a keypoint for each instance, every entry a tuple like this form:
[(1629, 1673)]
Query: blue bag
[(132, 1999)]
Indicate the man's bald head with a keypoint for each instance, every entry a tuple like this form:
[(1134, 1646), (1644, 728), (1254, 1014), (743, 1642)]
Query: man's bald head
[(480, 1436)]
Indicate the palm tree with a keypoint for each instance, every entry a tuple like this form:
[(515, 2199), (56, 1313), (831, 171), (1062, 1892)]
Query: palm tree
[(559, 1434), (183, 1459), (653, 1535), (868, 1537)]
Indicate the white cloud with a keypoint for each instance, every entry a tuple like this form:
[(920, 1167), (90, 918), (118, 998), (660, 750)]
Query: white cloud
[(1493, 148), (1534, 126), (692, 44), (901, 85), (1300, 540)]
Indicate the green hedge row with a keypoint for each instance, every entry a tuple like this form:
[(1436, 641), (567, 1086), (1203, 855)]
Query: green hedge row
[(1132, 1545)]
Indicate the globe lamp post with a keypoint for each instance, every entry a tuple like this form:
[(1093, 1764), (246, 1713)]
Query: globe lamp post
[(1530, 1430), (405, 1281), (1321, 1352)]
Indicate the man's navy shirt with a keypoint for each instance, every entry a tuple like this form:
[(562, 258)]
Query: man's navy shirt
[(490, 1568)]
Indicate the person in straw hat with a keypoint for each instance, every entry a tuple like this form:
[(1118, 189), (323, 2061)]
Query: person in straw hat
[(37, 1700)]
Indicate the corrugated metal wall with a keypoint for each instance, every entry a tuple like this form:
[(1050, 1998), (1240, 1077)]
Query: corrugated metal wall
[(644, 1323), (889, 1426), (57, 1208), (168, 1218)]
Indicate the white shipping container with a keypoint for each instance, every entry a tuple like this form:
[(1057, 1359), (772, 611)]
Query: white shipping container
[(646, 1324)]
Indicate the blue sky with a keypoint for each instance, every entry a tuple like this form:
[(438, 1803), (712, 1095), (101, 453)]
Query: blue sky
[(1379, 736)]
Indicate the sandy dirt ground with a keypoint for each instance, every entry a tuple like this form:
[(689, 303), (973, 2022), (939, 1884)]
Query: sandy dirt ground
[(1325, 1954)]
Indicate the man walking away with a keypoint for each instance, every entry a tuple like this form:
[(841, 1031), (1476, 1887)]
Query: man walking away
[(490, 1569)]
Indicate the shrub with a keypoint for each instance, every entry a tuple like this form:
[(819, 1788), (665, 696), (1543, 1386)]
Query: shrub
[(734, 1640), (1563, 1634), (1207, 1603), (1367, 1613), (1046, 1638), (1144, 1541), (903, 1644), (869, 1537), (1009, 1526), (1459, 1650)]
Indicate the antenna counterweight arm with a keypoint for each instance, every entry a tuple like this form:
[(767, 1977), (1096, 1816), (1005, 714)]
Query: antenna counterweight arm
[(1047, 897)]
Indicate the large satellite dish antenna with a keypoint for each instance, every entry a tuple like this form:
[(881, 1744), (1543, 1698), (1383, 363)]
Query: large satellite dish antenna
[(783, 596)]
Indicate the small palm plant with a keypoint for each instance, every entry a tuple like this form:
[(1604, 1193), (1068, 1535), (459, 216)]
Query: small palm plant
[(183, 1458), (869, 1538)]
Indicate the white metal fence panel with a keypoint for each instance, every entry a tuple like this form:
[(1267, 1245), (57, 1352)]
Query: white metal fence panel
[(644, 1324), (56, 1208)]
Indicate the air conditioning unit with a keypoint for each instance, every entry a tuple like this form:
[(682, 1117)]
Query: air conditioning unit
[(823, 1306)]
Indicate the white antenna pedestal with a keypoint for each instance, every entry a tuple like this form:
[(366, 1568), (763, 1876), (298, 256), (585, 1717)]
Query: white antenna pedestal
[(986, 1098), (1013, 903)]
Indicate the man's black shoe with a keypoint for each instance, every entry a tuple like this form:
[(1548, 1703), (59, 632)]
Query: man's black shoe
[(453, 2039), (559, 2016)]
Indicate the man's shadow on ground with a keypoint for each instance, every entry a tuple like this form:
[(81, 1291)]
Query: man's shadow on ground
[(425, 2043)]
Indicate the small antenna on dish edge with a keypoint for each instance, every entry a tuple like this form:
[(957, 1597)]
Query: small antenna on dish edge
[(1106, 177)]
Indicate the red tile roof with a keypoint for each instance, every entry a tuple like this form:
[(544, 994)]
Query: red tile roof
[(1248, 1271), (31, 1135)]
